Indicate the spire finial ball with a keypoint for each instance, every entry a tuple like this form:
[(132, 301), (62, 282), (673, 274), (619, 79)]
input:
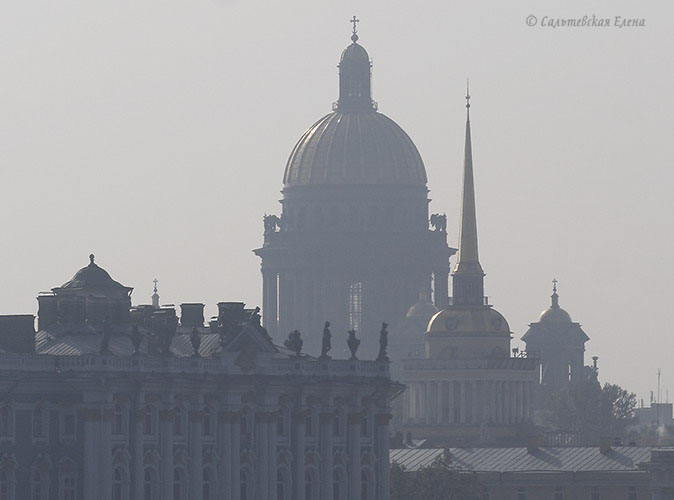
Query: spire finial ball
[(91, 258)]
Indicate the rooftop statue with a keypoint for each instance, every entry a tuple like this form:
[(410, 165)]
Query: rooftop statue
[(383, 343), (294, 342), (326, 345), (353, 343)]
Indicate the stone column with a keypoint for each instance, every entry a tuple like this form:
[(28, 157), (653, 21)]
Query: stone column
[(92, 419), (235, 456), (225, 476), (196, 425), (450, 401), (441, 403), (499, 401), (298, 442), (325, 447), (441, 282), (166, 417), (270, 302), (261, 436), (462, 402), (137, 452), (353, 451), (475, 403), (272, 453), (286, 303), (382, 453), (105, 450)]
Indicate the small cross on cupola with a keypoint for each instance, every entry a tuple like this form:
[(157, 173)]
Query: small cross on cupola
[(354, 37)]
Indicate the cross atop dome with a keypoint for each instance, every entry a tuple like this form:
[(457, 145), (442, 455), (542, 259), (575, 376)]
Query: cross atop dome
[(354, 35)]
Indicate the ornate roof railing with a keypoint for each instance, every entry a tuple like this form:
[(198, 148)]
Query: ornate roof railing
[(88, 363)]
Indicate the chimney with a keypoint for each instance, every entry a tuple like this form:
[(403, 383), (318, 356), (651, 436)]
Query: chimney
[(604, 445), (17, 333), (47, 310), (408, 438), (533, 444), (192, 314)]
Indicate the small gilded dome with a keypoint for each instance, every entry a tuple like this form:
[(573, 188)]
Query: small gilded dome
[(458, 320), (355, 148), (424, 309), (554, 313)]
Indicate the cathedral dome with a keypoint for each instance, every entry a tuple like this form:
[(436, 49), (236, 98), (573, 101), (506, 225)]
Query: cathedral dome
[(355, 148), (458, 320), (92, 276)]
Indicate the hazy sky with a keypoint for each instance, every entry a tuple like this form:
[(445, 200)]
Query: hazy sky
[(155, 133)]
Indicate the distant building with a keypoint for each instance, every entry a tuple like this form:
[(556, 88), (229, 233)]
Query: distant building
[(109, 402), (352, 244), (657, 413), (467, 388), (559, 342), (566, 473)]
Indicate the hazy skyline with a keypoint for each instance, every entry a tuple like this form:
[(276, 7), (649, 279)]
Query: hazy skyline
[(155, 136)]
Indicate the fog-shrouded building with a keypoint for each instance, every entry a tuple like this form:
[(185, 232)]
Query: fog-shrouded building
[(559, 343), (467, 388), (352, 244), (111, 402)]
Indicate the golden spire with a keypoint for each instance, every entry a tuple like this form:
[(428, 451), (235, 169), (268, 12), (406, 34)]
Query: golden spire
[(467, 260)]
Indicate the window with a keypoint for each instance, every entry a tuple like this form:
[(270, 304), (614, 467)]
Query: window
[(69, 425), (148, 421), (36, 489), (365, 493), (337, 426), (281, 424), (209, 489), (309, 425), (338, 487), (179, 486), (595, 493), (119, 484), (310, 485), (118, 421), (150, 484), (521, 494), (282, 485), (247, 492), (364, 425), (178, 421), (5, 421), (4, 485), (559, 493), (632, 493), (208, 421), (355, 306), (68, 487), (38, 423)]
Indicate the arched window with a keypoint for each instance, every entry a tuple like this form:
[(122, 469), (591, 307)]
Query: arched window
[(365, 486), (148, 421), (118, 421), (310, 485), (38, 423), (5, 421), (209, 489), (4, 485), (68, 486), (282, 484), (178, 421), (337, 425), (247, 492), (150, 484), (120, 485), (364, 427), (37, 491), (208, 422), (338, 484), (179, 484)]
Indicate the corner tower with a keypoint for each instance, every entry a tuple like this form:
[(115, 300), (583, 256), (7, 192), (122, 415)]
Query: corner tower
[(352, 244)]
